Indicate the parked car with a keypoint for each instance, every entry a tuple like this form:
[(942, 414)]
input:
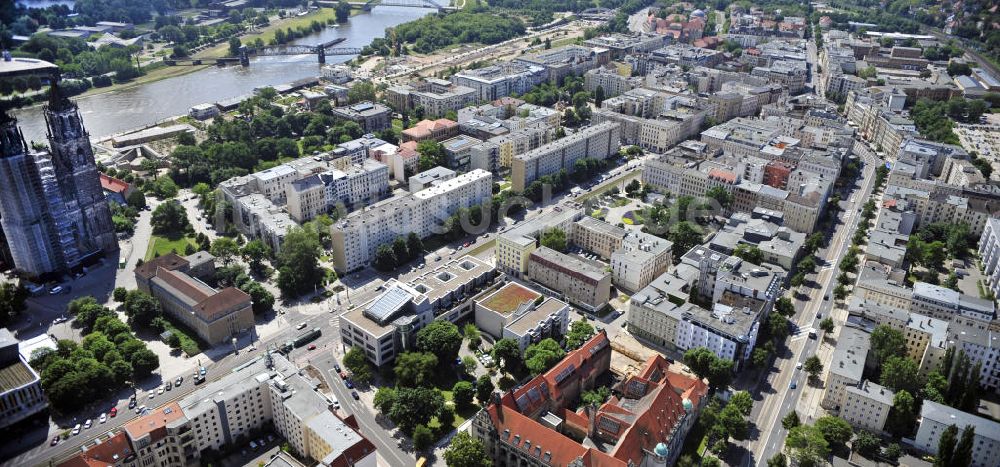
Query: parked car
[(798, 366), (312, 347), (349, 384), (113, 412), (301, 326), (151, 395), (140, 409), (159, 390), (87, 424), (178, 381), (131, 403), (343, 375), (169, 386), (55, 440), (56, 290), (336, 368), (202, 371), (793, 385), (104, 418), (76, 429), (354, 394)]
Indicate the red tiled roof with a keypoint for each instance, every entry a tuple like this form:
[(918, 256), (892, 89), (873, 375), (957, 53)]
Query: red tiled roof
[(113, 184), (226, 300), (155, 423), (648, 419), (723, 175), (408, 149), (105, 454), (183, 283), (425, 128), (169, 261)]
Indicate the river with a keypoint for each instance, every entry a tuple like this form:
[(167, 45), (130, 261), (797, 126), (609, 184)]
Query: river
[(113, 112)]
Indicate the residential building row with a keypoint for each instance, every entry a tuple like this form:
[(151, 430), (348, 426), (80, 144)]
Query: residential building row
[(356, 236), (598, 141), (266, 391)]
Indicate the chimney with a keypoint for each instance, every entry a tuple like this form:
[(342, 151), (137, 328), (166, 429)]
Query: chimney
[(591, 420), (496, 400)]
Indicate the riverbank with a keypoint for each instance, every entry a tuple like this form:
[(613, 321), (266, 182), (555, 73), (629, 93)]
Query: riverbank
[(221, 50)]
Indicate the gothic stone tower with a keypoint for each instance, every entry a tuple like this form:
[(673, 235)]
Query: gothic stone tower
[(78, 179)]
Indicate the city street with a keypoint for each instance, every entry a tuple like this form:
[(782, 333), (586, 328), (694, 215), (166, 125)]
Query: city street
[(775, 398)]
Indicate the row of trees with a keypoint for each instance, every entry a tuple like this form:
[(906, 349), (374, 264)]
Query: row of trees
[(810, 445), (437, 31), (75, 375), (401, 251)]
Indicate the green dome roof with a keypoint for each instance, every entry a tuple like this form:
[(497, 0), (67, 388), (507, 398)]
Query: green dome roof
[(661, 450)]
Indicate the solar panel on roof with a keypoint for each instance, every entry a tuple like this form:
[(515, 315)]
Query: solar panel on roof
[(385, 306)]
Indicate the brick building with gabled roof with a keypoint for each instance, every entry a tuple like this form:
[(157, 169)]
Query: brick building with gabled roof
[(215, 315), (645, 421)]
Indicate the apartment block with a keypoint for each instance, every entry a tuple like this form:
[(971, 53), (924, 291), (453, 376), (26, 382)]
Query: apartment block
[(989, 252), (497, 153), (568, 60), (582, 283), (371, 116), (522, 314), (935, 418), (866, 406), (435, 96), (598, 141), (846, 366), (436, 130), (514, 247), (640, 259), (501, 80), (357, 236), (611, 80)]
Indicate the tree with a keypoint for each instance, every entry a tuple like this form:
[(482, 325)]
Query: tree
[(733, 422), (893, 452), (225, 249), (946, 447), (791, 420), (415, 369), (901, 373), (813, 366), (384, 398), (440, 338), (254, 253), (422, 436), (462, 394), (385, 258), (759, 357), (963, 451), (554, 238), (720, 195), (749, 253), (699, 360), (484, 389), (866, 444), (777, 460), (263, 299), (170, 219), (544, 355), (887, 342), (826, 325), (508, 354), (12, 300), (599, 96), (836, 431), (431, 155), (136, 200), (141, 307), (903, 415), (720, 372), (415, 406), (342, 11), (119, 294), (595, 397), (361, 91), (299, 270), (806, 446), (742, 401), (784, 306), (466, 451), (414, 246), (579, 333), (446, 416), (356, 362)]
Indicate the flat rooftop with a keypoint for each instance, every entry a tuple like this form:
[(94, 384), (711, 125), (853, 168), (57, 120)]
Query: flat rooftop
[(509, 298), (530, 319), (15, 375)]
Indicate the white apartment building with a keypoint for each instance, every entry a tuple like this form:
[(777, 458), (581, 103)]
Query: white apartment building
[(866, 406), (989, 252), (501, 80), (356, 237), (846, 367), (598, 141), (935, 418), (641, 258), (514, 246)]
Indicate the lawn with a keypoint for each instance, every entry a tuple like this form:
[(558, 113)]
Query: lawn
[(190, 344), (267, 33), (159, 246), (460, 415)]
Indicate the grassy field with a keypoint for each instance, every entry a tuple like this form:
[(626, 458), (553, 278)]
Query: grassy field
[(267, 33), (152, 75), (163, 245), (190, 344)]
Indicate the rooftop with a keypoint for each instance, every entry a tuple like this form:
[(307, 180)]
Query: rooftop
[(568, 264), (509, 298), (872, 391), (531, 317), (155, 421), (945, 415), (850, 354)]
